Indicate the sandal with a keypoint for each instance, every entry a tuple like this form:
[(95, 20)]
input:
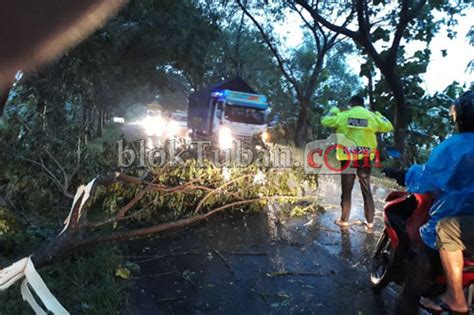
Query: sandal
[(443, 305)]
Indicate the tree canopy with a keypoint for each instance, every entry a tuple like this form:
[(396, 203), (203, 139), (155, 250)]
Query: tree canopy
[(57, 132)]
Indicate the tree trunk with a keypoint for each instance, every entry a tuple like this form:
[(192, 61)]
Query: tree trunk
[(100, 116), (85, 119), (90, 122), (302, 124), (104, 117), (373, 107), (370, 91), (400, 123), (57, 248), (394, 82)]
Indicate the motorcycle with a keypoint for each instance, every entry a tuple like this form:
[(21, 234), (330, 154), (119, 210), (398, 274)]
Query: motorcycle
[(404, 214)]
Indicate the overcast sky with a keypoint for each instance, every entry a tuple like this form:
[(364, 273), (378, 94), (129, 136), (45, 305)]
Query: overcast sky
[(441, 72)]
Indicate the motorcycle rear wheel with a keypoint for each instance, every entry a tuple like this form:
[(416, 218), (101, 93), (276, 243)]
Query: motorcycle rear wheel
[(382, 265)]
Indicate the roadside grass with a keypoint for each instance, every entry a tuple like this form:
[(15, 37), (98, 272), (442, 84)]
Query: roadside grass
[(84, 283)]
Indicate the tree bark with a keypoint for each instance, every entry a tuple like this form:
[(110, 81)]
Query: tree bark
[(100, 117), (104, 117), (400, 114), (303, 128), (302, 124), (59, 247)]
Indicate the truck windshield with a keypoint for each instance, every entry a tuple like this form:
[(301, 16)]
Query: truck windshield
[(245, 115)]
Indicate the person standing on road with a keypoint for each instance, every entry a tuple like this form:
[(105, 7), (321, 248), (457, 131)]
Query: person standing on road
[(358, 125)]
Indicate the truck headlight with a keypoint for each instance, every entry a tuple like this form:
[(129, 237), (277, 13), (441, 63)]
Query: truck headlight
[(154, 126), (265, 136), (172, 129), (225, 138)]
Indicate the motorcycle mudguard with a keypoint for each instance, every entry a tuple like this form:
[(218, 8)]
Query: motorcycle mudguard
[(392, 234), (419, 217), (397, 210), (413, 207)]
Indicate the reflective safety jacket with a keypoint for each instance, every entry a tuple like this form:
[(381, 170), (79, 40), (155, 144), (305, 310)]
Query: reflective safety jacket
[(356, 130), (449, 176)]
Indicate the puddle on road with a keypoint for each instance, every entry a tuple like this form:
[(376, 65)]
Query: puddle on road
[(354, 243)]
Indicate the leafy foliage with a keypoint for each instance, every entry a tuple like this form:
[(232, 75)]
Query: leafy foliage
[(431, 122), (211, 188), (383, 29)]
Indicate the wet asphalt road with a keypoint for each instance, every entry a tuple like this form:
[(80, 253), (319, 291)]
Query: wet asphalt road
[(263, 263)]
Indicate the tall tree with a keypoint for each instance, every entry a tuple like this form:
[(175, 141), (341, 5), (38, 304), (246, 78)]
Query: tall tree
[(387, 21), (303, 84)]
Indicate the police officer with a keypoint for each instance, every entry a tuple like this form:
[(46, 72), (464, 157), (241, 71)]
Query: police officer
[(358, 127)]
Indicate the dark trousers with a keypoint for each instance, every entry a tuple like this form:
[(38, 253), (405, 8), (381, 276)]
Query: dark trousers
[(347, 183)]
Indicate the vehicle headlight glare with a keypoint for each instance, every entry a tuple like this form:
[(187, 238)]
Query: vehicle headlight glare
[(154, 126), (173, 129), (225, 138)]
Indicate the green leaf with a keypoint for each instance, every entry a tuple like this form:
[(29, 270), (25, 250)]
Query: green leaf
[(122, 272), (380, 33)]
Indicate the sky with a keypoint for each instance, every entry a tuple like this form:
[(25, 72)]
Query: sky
[(441, 71)]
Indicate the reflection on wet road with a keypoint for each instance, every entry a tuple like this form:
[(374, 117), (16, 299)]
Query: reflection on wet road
[(263, 263)]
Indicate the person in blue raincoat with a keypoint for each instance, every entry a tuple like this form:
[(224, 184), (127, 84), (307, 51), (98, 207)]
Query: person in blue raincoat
[(449, 174), (449, 177)]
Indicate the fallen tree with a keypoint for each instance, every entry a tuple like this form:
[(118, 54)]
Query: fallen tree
[(162, 200)]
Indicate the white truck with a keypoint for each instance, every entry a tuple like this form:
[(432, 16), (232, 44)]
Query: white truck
[(227, 112)]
